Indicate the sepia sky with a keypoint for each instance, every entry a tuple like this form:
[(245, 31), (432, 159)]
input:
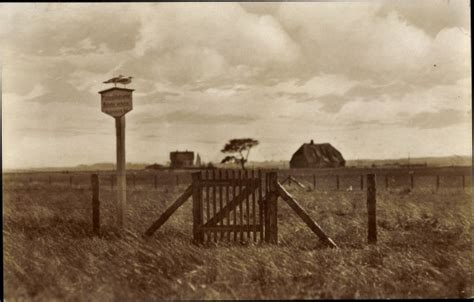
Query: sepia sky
[(375, 79)]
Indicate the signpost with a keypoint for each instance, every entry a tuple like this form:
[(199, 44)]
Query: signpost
[(116, 102)]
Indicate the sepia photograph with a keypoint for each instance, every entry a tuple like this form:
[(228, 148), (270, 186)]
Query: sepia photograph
[(287, 150)]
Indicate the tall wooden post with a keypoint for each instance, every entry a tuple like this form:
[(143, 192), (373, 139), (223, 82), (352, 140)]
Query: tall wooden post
[(337, 182), (116, 102), (362, 182), (198, 235), (386, 182), (371, 209), (463, 182), (271, 210), (121, 176), (95, 204)]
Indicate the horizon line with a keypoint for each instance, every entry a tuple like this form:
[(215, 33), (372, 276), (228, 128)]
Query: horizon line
[(253, 161)]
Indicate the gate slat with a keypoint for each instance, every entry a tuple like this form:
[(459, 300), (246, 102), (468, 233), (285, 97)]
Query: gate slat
[(203, 236), (254, 222), (226, 203), (260, 203), (220, 205), (247, 208), (233, 198), (214, 202), (241, 207), (208, 211)]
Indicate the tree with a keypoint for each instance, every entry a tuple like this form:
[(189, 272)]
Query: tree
[(238, 147)]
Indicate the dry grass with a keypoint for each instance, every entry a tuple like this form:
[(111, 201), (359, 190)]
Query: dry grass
[(424, 249)]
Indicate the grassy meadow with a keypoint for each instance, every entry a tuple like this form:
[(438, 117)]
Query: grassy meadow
[(424, 245)]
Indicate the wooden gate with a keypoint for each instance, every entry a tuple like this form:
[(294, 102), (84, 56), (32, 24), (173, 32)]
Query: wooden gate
[(232, 205)]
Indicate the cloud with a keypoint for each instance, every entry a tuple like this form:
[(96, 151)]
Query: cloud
[(52, 29), (195, 118), (431, 16), (299, 97), (332, 103), (368, 44), (241, 43), (438, 119)]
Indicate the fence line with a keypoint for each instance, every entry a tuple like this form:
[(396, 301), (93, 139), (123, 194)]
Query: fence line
[(313, 181)]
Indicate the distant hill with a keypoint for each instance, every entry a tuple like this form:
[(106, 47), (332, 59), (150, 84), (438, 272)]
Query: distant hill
[(92, 167), (430, 161)]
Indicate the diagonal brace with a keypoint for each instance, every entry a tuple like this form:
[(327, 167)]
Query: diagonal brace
[(230, 206), (304, 216), (164, 217)]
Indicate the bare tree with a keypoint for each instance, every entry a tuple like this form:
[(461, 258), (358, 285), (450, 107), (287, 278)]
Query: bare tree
[(238, 147)]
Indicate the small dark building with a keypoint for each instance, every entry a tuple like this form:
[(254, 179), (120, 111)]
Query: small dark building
[(154, 167), (182, 159), (317, 156)]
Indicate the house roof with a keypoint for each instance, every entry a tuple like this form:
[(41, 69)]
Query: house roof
[(115, 88), (316, 153)]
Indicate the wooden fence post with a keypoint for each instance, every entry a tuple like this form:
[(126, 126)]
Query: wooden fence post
[(271, 209), (70, 181), (289, 180), (437, 182), (314, 181), (371, 209), (463, 182), (197, 211), (337, 182), (95, 204), (362, 182), (386, 182)]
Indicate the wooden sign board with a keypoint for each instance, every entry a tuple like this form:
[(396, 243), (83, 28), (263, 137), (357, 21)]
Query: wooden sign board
[(116, 101)]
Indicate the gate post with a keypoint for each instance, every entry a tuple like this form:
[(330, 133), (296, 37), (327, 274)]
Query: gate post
[(198, 235), (271, 227), (95, 204), (371, 209)]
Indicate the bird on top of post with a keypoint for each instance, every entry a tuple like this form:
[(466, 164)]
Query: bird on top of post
[(114, 80), (125, 81)]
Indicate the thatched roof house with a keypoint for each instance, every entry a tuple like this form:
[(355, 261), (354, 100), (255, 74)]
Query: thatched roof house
[(317, 156)]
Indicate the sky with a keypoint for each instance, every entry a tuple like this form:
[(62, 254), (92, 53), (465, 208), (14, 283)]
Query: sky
[(376, 79)]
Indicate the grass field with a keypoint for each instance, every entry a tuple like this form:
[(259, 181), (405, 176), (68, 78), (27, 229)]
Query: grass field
[(424, 249)]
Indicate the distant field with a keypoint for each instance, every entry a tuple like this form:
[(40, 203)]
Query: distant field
[(424, 178), (424, 249)]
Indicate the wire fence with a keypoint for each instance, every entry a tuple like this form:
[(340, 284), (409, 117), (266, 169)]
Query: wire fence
[(311, 180)]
